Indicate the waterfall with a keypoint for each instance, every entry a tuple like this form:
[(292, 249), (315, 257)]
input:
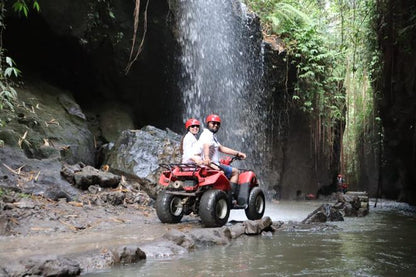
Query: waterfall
[(222, 72)]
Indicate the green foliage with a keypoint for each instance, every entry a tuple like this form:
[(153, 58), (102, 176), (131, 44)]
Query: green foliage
[(319, 88), (21, 7), (8, 69), (101, 23), (7, 92), (332, 47)]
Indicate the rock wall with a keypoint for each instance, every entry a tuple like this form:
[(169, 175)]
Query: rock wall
[(296, 170), (397, 85)]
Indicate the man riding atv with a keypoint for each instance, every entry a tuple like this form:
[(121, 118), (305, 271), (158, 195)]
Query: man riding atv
[(210, 151), (207, 190)]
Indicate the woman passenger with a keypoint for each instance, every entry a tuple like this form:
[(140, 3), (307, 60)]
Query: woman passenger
[(189, 146)]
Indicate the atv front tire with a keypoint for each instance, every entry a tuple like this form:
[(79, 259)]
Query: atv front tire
[(256, 204), (214, 208), (169, 207)]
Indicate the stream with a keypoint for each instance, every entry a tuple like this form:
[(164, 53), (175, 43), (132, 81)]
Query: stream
[(380, 244)]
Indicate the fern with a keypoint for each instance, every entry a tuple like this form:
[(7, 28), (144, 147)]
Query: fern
[(285, 18)]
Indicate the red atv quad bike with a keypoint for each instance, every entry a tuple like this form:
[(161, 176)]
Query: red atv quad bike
[(207, 192)]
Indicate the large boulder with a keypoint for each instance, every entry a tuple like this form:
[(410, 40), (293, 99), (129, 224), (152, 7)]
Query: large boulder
[(139, 153), (46, 128), (48, 123)]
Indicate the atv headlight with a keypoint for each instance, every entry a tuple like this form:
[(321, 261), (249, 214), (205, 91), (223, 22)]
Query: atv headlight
[(177, 184)]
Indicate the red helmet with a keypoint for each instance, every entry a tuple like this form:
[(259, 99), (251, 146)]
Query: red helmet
[(213, 118), (192, 121)]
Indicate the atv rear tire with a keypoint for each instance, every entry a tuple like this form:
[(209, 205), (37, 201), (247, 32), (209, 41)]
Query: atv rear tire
[(169, 207), (214, 208), (256, 204)]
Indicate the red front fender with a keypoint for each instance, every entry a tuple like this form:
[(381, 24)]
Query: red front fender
[(247, 177), (217, 180)]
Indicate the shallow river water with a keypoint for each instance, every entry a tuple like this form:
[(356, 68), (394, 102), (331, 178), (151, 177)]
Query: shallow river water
[(380, 244)]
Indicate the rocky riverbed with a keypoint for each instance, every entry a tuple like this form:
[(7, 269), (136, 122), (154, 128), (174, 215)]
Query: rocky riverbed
[(40, 236), (104, 228)]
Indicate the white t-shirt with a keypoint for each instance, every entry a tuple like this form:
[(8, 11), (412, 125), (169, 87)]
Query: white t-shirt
[(190, 148), (208, 137)]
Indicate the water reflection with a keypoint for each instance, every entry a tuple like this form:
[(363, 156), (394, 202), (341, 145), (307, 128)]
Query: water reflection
[(381, 244)]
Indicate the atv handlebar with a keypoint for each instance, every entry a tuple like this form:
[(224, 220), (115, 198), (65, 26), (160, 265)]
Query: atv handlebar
[(227, 160)]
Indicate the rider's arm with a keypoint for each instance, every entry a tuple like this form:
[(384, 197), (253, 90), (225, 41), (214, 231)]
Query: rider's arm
[(205, 149), (233, 152)]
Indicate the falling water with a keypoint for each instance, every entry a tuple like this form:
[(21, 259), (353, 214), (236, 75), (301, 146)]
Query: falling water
[(222, 70)]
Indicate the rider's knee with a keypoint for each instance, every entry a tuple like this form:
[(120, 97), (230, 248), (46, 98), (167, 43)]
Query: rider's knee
[(235, 171)]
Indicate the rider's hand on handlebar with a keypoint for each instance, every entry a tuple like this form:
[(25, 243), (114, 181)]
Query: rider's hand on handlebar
[(207, 161), (241, 155)]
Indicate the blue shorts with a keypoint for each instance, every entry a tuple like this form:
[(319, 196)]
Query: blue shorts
[(227, 170)]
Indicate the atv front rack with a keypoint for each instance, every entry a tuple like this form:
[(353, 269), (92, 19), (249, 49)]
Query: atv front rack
[(181, 166)]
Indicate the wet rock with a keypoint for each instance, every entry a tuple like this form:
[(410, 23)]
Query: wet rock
[(277, 224), (325, 212), (89, 175), (255, 227), (163, 248), (180, 238), (349, 204), (44, 266), (362, 212), (84, 176), (237, 230), (319, 216), (335, 215), (138, 153), (356, 203), (348, 210), (128, 254), (68, 171), (33, 176), (209, 237)]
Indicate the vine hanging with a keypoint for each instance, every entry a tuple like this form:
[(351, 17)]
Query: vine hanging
[(133, 56)]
